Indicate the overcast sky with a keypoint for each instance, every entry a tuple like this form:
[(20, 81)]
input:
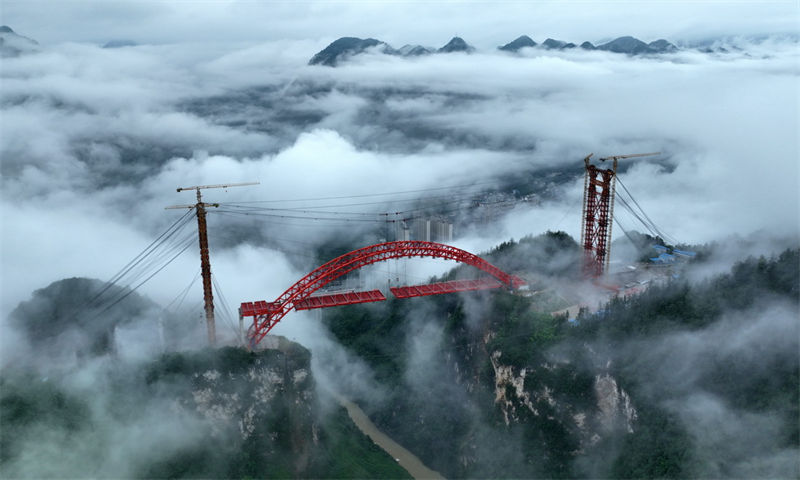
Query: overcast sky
[(484, 24)]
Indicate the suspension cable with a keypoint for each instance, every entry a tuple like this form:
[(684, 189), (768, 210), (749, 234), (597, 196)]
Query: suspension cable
[(138, 259), (153, 249), (130, 291), (226, 311), (183, 293), (374, 194), (655, 227)]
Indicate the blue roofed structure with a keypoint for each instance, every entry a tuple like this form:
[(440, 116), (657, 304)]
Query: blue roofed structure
[(663, 259)]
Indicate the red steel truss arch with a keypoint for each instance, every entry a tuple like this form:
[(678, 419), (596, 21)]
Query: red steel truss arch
[(330, 271)]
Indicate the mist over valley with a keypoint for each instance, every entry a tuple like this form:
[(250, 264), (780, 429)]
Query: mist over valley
[(364, 125)]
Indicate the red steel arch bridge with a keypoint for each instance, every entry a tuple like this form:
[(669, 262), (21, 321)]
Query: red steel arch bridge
[(301, 295)]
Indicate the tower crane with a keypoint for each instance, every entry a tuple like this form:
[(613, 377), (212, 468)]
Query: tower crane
[(205, 263)]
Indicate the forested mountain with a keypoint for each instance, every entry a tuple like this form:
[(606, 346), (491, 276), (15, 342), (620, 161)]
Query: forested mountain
[(684, 380)]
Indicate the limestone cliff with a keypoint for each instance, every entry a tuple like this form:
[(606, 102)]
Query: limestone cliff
[(261, 402)]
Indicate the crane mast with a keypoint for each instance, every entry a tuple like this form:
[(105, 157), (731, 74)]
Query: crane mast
[(205, 262)]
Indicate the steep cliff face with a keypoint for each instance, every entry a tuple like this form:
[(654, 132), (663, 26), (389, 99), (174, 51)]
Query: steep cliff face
[(215, 413), (261, 404), (610, 412), (562, 411), (478, 392), (614, 404)]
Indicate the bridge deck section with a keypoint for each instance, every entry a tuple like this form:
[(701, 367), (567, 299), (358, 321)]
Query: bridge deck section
[(445, 287), (337, 299)]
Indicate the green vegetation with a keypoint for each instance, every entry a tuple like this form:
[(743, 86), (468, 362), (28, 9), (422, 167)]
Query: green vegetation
[(212, 413), (27, 399), (82, 427), (444, 407), (658, 448), (677, 305), (554, 254), (484, 384), (345, 452), (450, 417), (762, 380), (287, 432)]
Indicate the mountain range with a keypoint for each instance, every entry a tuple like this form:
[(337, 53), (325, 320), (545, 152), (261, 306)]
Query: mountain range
[(346, 47), (13, 45)]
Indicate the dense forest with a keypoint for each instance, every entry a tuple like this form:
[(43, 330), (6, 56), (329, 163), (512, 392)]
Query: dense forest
[(703, 365)]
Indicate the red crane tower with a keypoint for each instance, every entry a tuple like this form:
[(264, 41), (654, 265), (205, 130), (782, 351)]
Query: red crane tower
[(598, 213)]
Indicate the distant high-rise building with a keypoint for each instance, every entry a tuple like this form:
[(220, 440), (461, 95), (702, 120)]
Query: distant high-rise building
[(425, 229), (441, 231), (402, 231), (422, 230)]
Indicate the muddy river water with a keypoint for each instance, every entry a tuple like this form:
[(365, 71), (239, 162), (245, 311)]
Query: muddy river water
[(405, 458)]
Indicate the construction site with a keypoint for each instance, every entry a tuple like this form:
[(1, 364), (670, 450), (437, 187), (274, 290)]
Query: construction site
[(322, 287)]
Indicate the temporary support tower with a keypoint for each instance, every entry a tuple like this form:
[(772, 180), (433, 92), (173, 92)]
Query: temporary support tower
[(598, 213), (598, 210)]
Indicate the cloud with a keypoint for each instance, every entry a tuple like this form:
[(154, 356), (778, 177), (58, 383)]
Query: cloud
[(114, 422), (97, 141), (743, 443), (682, 372)]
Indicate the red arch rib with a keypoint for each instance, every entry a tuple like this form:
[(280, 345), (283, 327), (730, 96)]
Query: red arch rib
[(356, 259)]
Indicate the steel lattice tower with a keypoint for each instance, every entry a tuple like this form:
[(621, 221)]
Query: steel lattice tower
[(598, 212)]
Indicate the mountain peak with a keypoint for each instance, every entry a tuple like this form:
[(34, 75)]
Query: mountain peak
[(13, 44), (456, 44), (662, 46), (341, 48), (46, 318), (553, 44), (414, 50), (520, 42), (626, 44)]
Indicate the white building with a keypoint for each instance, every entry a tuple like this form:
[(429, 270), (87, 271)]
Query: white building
[(428, 230)]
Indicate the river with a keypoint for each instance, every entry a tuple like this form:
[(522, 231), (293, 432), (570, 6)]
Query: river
[(405, 458)]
